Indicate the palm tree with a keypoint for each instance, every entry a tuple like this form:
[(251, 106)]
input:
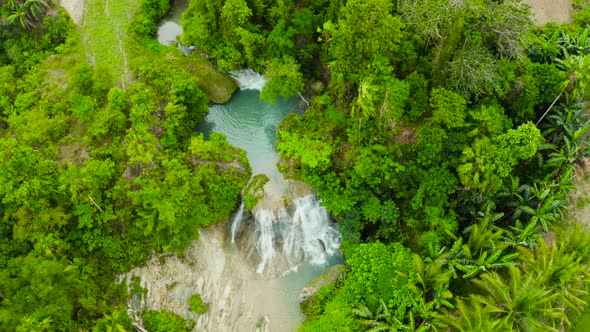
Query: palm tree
[(32, 324), (577, 81), (18, 15), (520, 235), (26, 13), (382, 321), (110, 323), (34, 8), (471, 317), (560, 270), (521, 303)]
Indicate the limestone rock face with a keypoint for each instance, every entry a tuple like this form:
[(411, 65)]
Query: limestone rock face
[(327, 277)]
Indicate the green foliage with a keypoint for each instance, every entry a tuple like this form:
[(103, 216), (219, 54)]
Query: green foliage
[(448, 108), (196, 304), (422, 137), (356, 41), (145, 21), (254, 191), (166, 321), (284, 79)]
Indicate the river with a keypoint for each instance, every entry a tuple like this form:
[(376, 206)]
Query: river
[(251, 269)]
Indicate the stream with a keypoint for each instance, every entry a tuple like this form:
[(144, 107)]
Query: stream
[(251, 269)]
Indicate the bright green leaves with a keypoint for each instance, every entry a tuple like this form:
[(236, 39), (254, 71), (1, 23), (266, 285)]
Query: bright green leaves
[(522, 141), (36, 289), (487, 162), (381, 273), (448, 108), (215, 149), (166, 321), (489, 120), (312, 153), (166, 206), (234, 14), (284, 79), (367, 29), (25, 175)]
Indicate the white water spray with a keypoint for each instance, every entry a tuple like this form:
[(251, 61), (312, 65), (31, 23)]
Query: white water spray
[(237, 222), (310, 233), (265, 244), (304, 232), (248, 79)]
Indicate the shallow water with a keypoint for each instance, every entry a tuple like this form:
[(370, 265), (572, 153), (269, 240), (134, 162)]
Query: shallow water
[(169, 27), (251, 125)]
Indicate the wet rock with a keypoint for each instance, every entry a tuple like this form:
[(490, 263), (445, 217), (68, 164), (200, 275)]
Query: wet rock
[(327, 277), (263, 324)]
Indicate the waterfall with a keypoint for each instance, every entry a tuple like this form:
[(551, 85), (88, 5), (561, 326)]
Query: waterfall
[(236, 222), (265, 245), (248, 79), (304, 232), (311, 232)]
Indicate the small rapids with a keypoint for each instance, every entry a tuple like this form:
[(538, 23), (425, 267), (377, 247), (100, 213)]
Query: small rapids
[(286, 237), (248, 79)]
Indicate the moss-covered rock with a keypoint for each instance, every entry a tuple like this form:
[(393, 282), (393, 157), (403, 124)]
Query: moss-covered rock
[(329, 276), (254, 191), (218, 86)]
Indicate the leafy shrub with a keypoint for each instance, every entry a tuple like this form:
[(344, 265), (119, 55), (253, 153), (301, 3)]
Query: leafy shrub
[(166, 321), (197, 305)]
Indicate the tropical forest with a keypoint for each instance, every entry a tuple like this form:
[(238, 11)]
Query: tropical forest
[(294, 165)]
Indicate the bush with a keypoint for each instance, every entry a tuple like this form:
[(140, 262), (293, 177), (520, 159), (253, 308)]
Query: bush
[(166, 321), (197, 305)]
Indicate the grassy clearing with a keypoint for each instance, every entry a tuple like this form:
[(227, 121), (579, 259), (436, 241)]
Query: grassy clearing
[(104, 35)]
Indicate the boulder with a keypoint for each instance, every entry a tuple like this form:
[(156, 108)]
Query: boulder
[(218, 86)]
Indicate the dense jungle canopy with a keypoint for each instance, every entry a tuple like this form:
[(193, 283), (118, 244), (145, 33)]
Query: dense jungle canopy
[(444, 137)]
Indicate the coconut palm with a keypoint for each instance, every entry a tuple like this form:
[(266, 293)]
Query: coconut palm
[(18, 16), (110, 323), (522, 235), (383, 320), (35, 8), (577, 81), (471, 317), (521, 303), (26, 13), (560, 270)]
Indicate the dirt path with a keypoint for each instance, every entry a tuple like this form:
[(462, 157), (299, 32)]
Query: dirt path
[(545, 11), (75, 8)]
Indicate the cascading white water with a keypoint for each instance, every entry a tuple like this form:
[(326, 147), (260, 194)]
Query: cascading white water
[(236, 222), (248, 79), (265, 245), (311, 232), (304, 234)]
